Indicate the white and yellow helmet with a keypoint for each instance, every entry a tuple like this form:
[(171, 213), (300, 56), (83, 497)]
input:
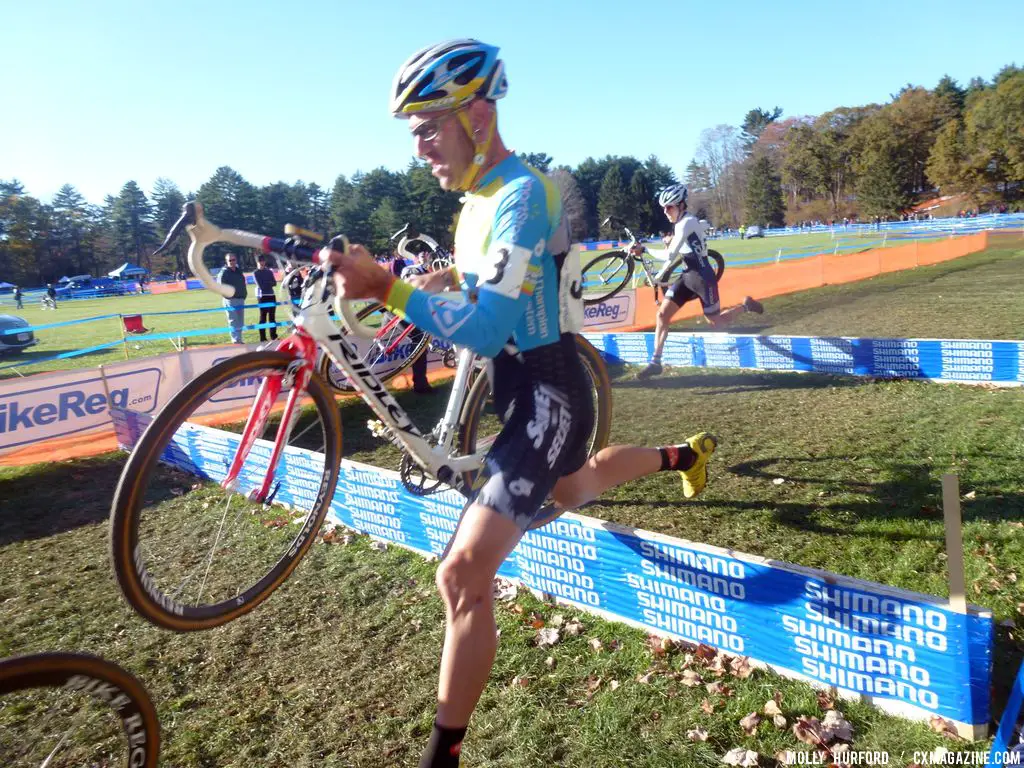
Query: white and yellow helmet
[(446, 76)]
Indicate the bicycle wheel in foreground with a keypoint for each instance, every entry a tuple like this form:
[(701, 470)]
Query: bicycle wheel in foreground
[(74, 709), (479, 425), (190, 553), (605, 275)]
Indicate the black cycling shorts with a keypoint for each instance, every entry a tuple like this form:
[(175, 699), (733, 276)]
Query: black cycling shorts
[(545, 394), (696, 284)]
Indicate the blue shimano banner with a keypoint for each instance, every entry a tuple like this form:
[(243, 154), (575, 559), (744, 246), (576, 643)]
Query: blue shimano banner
[(948, 360), (908, 652)]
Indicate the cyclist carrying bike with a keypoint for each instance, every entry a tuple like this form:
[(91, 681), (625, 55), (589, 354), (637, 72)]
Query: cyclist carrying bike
[(689, 245), (516, 300)]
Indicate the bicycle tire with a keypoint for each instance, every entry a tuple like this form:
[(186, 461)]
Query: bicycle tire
[(717, 263), (610, 257), (137, 586), (596, 368), (324, 364), (130, 701)]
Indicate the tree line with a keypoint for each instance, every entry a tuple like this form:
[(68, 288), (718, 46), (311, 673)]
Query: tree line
[(865, 161)]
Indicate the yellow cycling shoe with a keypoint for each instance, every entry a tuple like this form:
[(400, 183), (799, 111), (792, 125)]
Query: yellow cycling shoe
[(695, 478)]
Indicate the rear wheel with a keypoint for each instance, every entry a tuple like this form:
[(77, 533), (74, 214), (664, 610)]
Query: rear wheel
[(605, 275), (396, 346), (717, 263), (63, 709), (479, 425), (188, 552)]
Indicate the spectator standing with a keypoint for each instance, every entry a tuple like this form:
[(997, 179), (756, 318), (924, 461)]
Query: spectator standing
[(51, 294), (265, 284), (17, 297), (232, 275)]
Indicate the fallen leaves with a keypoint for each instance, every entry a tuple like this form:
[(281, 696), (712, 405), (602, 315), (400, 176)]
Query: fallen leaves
[(943, 726), (837, 727), (547, 637), (750, 722), (573, 628), (740, 756), (771, 708), (697, 734), (809, 731), (707, 706), (504, 589), (825, 700), (596, 645), (740, 667), (690, 678), (719, 688)]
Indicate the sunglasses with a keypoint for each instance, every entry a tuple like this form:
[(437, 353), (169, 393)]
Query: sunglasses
[(429, 130)]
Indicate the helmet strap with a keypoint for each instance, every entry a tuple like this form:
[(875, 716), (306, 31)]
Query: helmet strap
[(480, 149)]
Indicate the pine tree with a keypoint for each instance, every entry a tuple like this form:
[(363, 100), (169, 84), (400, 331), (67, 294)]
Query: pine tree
[(613, 201), (133, 226), (764, 203), (167, 205)]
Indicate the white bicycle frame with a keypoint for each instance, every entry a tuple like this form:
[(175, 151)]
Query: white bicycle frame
[(313, 321)]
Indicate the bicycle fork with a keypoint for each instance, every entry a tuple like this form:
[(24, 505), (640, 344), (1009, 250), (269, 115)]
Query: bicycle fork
[(299, 371)]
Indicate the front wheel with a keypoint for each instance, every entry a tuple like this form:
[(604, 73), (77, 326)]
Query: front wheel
[(479, 425), (62, 709), (191, 551), (605, 275)]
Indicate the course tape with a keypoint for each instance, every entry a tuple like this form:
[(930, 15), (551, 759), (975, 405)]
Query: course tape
[(140, 337)]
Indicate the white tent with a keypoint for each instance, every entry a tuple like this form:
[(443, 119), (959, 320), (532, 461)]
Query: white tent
[(128, 270)]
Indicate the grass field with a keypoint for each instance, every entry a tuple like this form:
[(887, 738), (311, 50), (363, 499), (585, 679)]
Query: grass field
[(339, 667)]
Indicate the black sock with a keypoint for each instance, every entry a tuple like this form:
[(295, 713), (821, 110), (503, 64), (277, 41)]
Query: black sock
[(677, 457), (444, 748)]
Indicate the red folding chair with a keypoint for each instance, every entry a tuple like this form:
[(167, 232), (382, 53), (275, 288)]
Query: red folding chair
[(133, 327)]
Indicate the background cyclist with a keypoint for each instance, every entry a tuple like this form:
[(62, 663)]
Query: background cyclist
[(514, 304), (689, 245)]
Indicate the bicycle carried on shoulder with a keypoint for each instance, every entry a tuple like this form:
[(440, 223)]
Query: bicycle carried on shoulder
[(607, 274), (59, 709), (202, 527)]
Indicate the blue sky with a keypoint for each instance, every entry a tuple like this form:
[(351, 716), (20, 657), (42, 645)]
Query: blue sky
[(99, 93)]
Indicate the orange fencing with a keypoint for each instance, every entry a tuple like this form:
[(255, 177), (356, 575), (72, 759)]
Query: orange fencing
[(814, 272)]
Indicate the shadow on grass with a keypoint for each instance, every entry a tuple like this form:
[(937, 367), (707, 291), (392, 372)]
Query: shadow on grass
[(55, 498), (58, 497), (911, 491), (746, 381)]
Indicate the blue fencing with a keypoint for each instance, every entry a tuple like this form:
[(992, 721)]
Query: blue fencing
[(946, 360), (901, 648)]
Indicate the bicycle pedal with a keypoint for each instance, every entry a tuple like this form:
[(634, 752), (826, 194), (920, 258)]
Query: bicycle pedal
[(377, 428)]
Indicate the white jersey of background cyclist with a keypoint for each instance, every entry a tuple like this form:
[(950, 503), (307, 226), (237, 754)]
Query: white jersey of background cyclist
[(689, 244)]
